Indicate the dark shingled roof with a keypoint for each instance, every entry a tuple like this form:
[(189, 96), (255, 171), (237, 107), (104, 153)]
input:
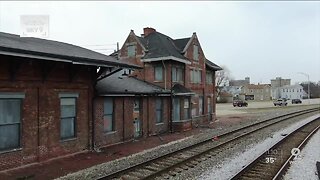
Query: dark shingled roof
[(117, 84), (212, 65), (160, 45), (181, 43), (142, 40), (180, 89), (37, 48)]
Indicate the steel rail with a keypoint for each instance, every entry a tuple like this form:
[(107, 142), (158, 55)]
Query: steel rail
[(129, 169), (284, 166)]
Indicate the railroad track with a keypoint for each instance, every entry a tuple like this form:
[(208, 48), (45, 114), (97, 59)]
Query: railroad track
[(273, 163), (175, 162)]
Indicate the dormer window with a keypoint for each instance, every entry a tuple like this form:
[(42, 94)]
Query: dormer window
[(131, 50), (195, 52)]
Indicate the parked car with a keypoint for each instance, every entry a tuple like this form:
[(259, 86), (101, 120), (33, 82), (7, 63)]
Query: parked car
[(239, 103), (280, 102), (296, 101)]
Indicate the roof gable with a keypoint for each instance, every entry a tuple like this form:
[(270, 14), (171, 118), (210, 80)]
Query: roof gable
[(189, 42)]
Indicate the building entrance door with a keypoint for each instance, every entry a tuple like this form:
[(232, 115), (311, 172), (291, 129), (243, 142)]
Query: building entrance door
[(136, 118)]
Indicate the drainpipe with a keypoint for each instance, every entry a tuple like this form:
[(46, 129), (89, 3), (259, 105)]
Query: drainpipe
[(165, 75), (147, 116), (38, 109), (171, 110), (93, 99), (123, 119)]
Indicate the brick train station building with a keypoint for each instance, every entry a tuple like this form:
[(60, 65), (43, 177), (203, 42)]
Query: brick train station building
[(58, 99)]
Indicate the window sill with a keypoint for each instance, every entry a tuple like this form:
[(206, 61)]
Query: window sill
[(67, 140), (158, 81), (109, 132), (10, 151), (161, 123), (182, 121), (199, 116)]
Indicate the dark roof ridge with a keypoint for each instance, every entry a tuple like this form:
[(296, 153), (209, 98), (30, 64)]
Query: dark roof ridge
[(182, 38)]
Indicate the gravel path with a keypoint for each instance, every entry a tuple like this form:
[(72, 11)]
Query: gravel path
[(106, 168)]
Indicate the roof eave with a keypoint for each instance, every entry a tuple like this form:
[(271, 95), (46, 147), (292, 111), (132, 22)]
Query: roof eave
[(59, 58), (189, 42), (135, 94), (166, 58), (184, 94), (215, 68)]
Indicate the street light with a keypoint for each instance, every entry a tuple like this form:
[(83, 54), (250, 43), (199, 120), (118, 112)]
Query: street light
[(308, 84)]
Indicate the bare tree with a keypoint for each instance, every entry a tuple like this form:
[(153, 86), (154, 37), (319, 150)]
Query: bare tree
[(222, 79)]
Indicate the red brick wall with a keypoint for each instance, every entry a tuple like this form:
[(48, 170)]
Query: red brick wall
[(123, 114), (158, 128), (40, 135)]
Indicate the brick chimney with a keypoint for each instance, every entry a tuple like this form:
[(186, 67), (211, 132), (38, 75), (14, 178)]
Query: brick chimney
[(148, 30)]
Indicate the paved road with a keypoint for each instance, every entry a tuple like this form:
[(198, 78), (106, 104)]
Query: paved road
[(227, 108)]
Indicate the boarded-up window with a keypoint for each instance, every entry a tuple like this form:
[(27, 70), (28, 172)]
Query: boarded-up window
[(191, 76), (67, 118), (196, 76), (108, 120), (201, 105), (199, 76), (158, 73), (131, 50), (209, 105), (195, 52), (10, 120), (176, 109), (159, 110), (177, 74), (186, 108)]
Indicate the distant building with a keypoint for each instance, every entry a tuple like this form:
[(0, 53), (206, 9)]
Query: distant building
[(260, 92), (292, 92), (276, 84), (246, 81)]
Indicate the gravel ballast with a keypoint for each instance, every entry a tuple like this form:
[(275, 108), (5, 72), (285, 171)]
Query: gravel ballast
[(112, 166)]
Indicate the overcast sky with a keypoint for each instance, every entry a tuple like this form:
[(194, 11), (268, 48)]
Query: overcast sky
[(261, 40)]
